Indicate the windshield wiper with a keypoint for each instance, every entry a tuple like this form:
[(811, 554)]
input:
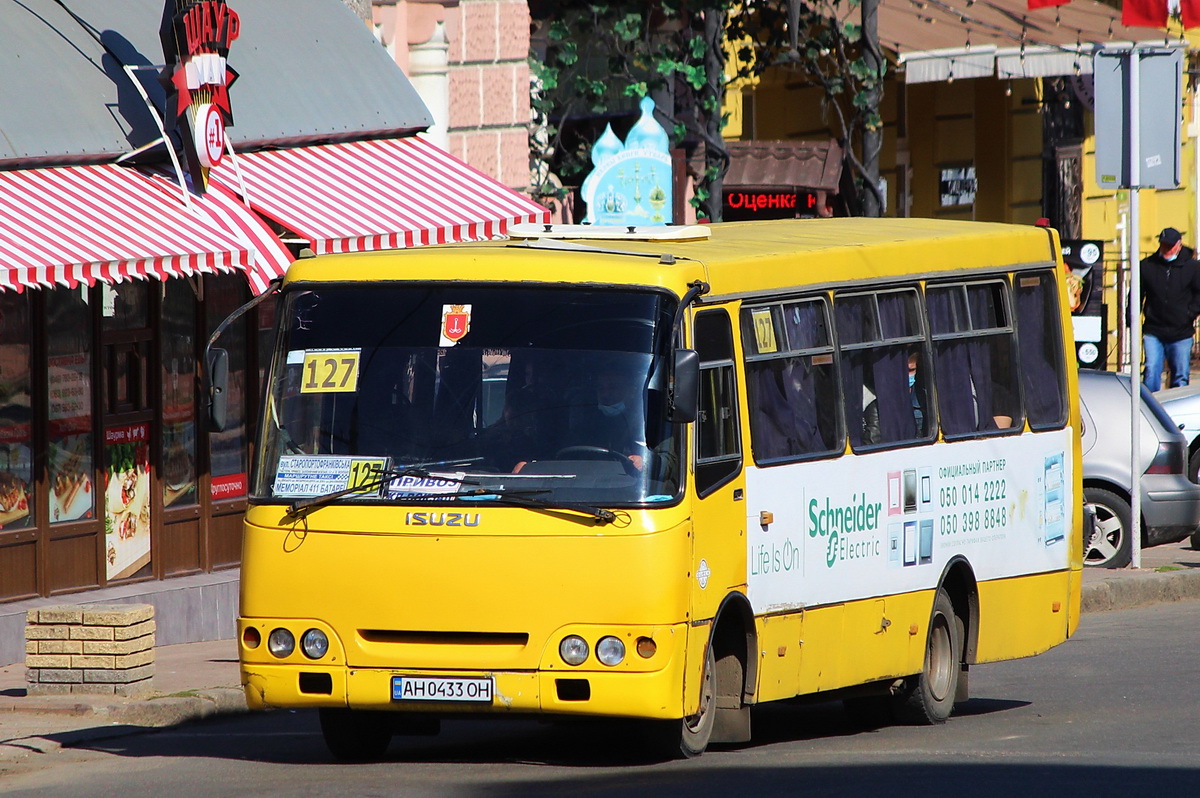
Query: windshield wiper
[(523, 498), (303, 507)]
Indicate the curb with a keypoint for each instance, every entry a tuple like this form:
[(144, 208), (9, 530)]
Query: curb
[(134, 717), (1132, 590)]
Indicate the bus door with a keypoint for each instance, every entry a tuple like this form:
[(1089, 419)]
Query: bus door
[(719, 539)]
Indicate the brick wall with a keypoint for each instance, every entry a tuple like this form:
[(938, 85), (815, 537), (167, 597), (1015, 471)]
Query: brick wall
[(489, 87)]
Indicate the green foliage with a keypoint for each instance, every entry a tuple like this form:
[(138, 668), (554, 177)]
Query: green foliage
[(596, 60)]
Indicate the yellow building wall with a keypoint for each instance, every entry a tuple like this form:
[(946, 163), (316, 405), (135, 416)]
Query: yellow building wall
[(991, 124)]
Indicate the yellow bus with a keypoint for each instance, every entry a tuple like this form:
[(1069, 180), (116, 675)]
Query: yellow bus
[(665, 475)]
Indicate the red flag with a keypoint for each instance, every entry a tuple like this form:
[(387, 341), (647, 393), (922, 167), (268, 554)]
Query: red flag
[(1190, 10), (1144, 13), (1036, 4)]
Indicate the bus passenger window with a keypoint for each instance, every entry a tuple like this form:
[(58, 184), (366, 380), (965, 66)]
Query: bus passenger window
[(882, 345), (791, 382), (975, 362), (1039, 330)]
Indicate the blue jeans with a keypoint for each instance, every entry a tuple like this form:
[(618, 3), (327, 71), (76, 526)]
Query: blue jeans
[(1178, 355)]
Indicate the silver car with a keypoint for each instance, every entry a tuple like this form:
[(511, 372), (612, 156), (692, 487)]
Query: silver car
[(1183, 406), (1170, 501)]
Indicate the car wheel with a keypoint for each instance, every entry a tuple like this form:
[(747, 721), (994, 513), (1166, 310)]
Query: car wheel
[(1196, 539), (1194, 466), (1111, 545)]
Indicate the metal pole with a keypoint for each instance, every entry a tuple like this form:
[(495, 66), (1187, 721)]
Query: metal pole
[(1135, 316)]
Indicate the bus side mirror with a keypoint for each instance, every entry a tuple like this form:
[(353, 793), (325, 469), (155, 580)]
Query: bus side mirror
[(685, 396), (218, 389)]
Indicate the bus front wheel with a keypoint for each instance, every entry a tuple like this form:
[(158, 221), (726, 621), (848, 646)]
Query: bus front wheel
[(688, 737), (928, 698), (356, 735)]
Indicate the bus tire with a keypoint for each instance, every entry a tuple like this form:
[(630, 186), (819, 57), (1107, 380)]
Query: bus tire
[(928, 698), (1112, 545), (355, 735)]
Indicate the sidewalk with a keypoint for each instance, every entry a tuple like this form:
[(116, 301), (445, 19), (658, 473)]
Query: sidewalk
[(201, 680)]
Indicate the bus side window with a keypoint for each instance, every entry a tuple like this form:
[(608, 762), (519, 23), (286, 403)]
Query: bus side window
[(975, 361), (881, 341), (791, 381), (718, 443), (1039, 337)]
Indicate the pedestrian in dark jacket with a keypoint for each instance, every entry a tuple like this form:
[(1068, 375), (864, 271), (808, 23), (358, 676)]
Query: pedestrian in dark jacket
[(1170, 304)]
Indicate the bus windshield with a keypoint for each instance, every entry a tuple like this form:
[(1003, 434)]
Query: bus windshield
[(556, 394)]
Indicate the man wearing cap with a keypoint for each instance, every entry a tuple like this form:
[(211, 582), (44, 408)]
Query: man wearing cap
[(1170, 304)]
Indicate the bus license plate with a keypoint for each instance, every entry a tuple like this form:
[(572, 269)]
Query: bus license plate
[(441, 688)]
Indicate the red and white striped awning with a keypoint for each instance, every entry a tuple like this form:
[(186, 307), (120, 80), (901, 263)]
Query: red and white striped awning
[(382, 194), (82, 224), (269, 258)]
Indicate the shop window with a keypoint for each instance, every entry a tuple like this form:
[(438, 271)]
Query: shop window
[(16, 429), (227, 449), (179, 393), (69, 375)]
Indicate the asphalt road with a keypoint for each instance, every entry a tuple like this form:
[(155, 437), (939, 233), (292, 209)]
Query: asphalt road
[(1112, 712)]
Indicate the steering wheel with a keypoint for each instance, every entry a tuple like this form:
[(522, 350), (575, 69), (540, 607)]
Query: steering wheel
[(596, 453)]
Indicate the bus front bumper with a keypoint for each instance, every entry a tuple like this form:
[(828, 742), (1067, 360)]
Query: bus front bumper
[(654, 694)]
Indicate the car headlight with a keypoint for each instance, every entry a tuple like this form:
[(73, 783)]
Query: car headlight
[(573, 649), (610, 651), (281, 643), (314, 644)]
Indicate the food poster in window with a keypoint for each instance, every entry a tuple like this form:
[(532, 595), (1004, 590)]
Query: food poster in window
[(126, 500), (72, 495), (16, 461)]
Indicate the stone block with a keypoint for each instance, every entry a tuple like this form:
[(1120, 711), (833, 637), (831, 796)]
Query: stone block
[(41, 632), (479, 28), (93, 632), (47, 688), (57, 646), (133, 660), (31, 646), (512, 33), (89, 662), (47, 660), (134, 689), (125, 676), (136, 630), (465, 102), (90, 688), (116, 614), (59, 676), (59, 613), (118, 647)]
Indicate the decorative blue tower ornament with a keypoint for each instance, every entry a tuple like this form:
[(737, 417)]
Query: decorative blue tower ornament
[(631, 181)]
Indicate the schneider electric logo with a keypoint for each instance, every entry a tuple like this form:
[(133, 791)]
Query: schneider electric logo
[(838, 525)]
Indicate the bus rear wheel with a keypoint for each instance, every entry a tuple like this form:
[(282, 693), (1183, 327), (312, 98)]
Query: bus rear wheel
[(928, 698), (356, 735)]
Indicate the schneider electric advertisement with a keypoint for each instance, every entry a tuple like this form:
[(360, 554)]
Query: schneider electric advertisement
[(862, 526)]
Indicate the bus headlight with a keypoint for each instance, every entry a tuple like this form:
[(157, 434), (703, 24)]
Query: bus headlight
[(314, 644), (281, 643), (610, 651), (573, 649)]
